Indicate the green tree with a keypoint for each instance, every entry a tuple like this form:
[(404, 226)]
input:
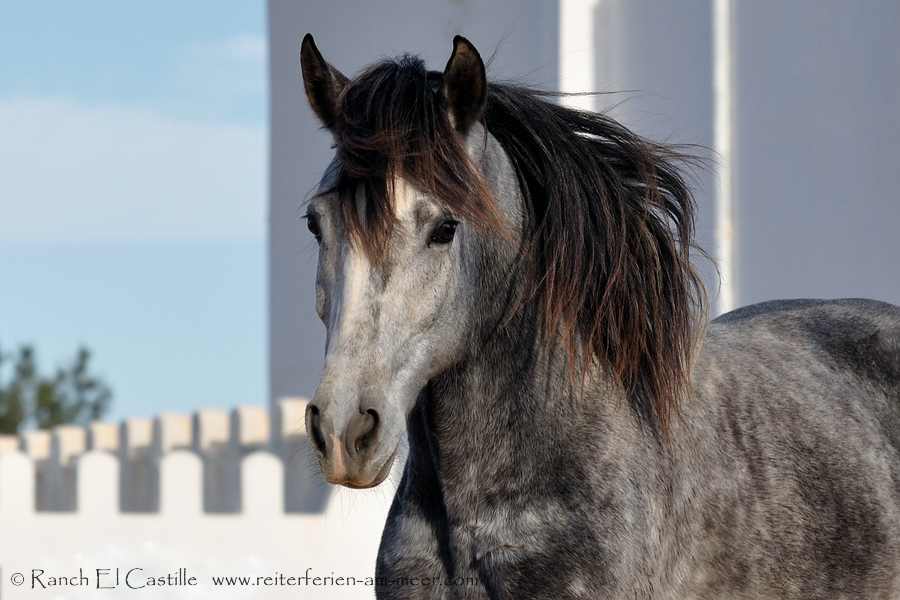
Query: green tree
[(72, 395), (12, 409)]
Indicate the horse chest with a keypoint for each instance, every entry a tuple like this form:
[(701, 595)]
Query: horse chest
[(502, 550)]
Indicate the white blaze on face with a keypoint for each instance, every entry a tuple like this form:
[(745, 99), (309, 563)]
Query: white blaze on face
[(358, 270), (357, 296)]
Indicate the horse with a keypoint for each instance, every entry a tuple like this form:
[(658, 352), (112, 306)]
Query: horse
[(507, 283)]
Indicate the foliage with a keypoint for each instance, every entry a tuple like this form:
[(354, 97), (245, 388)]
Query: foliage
[(72, 395)]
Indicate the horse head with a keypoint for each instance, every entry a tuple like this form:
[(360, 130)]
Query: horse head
[(400, 220)]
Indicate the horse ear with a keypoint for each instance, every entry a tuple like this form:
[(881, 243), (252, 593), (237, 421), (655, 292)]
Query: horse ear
[(465, 85), (323, 82)]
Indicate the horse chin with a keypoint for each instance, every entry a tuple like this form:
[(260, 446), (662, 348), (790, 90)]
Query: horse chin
[(360, 483)]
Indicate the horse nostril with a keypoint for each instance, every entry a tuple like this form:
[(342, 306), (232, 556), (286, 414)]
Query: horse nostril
[(314, 422), (363, 431)]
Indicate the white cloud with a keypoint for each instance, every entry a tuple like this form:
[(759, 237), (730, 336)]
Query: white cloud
[(249, 48), (221, 81), (76, 173)]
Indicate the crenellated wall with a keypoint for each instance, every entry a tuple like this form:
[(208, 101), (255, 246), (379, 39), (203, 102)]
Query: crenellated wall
[(216, 494)]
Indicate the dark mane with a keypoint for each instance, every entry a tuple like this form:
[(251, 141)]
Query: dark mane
[(614, 226), (612, 217)]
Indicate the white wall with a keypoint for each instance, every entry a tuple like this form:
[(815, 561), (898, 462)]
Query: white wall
[(817, 143)]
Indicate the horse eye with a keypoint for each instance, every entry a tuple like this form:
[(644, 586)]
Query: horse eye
[(444, 233), (313, 227)]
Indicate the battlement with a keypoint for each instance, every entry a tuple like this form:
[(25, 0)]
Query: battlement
[(219, 439), (215, 493)]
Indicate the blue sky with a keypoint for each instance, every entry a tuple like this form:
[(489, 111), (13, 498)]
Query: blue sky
[(133, 195)]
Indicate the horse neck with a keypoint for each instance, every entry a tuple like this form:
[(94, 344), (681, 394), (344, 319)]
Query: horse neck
[(510, 414)]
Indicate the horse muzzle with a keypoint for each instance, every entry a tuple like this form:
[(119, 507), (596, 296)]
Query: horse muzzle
[(349, 456)]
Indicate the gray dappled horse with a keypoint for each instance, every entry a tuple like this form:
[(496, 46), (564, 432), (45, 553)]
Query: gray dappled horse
[(507, 282)]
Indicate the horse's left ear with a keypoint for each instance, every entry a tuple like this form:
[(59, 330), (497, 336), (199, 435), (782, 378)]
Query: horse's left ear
[(323, 82), (465, 85)]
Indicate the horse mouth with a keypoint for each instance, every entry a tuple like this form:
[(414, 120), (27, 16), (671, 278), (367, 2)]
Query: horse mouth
[(360, 482)]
